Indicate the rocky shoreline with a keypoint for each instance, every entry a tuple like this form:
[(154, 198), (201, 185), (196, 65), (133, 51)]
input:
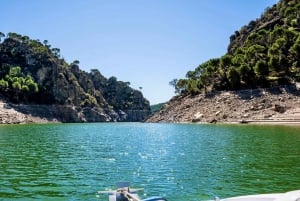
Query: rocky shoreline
[(10, 115), (274, 105), (34, 113), (263, 106)]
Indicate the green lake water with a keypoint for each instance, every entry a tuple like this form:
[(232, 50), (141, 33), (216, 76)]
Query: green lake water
[(188, 162)]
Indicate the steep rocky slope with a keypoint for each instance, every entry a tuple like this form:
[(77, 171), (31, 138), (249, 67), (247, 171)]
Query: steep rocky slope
[(276, 105), (262, 64), (33, 73)]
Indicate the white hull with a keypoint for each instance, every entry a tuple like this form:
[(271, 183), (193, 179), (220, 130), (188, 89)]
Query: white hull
[(289, 196)]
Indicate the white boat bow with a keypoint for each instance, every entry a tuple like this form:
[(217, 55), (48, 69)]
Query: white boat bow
[(288, 196)]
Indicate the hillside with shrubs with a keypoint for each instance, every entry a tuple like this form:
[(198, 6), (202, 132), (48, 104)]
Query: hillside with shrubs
[(262, 63), (34, 74), (264, 53)]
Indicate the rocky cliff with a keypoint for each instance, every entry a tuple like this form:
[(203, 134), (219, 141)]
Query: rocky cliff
[(34, 79), (262, 64)]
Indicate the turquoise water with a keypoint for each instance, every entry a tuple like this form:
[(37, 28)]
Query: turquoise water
[(179, 161)]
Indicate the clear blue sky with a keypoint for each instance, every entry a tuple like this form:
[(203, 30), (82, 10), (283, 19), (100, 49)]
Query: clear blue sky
[(145, 42)]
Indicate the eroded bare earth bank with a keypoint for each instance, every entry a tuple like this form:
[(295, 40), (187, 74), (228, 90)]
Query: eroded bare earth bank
[(275, 105)]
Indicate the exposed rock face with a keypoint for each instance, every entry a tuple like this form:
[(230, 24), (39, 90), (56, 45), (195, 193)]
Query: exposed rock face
[(66, 93), (22, 113), (259, 105)]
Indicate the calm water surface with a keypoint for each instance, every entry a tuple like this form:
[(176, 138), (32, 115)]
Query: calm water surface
[(179, 161)]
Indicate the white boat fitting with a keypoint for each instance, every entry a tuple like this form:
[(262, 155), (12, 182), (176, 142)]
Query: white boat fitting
[(125, 193)]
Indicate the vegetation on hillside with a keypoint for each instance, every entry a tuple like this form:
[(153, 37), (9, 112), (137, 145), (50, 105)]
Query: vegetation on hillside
[(156, 107), (264, 53), (34, 72), (17, 86)]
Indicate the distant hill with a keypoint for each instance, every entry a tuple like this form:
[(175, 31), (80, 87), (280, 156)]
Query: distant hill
[(156, 107), (33, 72), (264, 53), (256, 80)]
